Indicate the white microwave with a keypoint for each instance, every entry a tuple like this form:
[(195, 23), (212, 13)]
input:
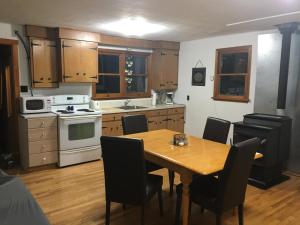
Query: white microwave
[(38, 104)]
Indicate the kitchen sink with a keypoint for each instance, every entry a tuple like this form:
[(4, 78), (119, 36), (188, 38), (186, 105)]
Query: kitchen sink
[(128, 107)]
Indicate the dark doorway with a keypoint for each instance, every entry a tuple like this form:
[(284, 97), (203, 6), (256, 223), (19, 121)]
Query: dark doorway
[(9, 94)]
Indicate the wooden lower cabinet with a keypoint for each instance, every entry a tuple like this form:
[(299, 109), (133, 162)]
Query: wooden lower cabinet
[(157, 122), (38, 141), (172, 119)]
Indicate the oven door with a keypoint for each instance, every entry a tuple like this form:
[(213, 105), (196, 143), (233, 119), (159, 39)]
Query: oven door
[(79, 131)]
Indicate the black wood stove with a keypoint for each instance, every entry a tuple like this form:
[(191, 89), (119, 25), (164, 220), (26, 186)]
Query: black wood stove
[(275, 135)]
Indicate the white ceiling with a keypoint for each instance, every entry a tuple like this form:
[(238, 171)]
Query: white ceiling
[(186, 19)]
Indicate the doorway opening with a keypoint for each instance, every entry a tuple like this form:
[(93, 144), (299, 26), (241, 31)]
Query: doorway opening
[(9, 94)]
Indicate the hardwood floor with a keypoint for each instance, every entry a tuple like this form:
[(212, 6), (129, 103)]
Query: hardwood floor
[(76, 196)]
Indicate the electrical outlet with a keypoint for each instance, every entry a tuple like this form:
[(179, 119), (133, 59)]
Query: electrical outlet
[(187, 97)]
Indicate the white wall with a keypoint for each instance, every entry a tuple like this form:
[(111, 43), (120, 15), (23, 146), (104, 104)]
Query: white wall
[(7, 31), (201, 104)]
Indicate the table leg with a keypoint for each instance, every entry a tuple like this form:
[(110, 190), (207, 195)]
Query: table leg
[(186, 179)]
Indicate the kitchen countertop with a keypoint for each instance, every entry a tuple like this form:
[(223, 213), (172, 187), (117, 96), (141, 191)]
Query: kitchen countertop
[(156, 107), (38, 115)]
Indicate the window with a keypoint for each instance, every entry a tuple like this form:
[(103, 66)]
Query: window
[(122, 75), (232, 74)]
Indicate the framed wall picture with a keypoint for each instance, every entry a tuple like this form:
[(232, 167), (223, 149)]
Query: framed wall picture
[(198, 76)]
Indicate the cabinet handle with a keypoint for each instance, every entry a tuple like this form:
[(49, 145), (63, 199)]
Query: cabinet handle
[(163, 53), (34, 44), (162, 85), (150, 121), (66, 76), (94, 77), (51, 46), (66, 46), (104, 127), (37, 82), (77, 73), (84, 74)]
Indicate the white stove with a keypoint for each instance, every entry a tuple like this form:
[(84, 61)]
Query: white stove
[(79, 129)]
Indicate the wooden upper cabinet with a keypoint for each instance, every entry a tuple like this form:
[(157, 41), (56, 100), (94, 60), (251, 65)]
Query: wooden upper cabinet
[(89, 61), (43, 63), (71, 61), (165, 69), (171, 68), (79, 61)]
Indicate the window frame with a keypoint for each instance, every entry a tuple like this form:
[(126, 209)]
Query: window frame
[(123, 94), (235, 98)]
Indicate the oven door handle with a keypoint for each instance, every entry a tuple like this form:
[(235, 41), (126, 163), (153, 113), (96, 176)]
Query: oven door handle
[(81, 150), (80, 117)]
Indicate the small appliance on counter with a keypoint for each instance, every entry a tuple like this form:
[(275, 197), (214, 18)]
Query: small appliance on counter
[(35, 104), (79, 129), (154, 97), (96, 105), (170, 98)]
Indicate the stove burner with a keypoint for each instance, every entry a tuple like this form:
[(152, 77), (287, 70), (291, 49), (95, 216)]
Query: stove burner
[(64, 111), (85, 110)]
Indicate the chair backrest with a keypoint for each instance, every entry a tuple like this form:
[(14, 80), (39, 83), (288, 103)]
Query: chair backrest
[(134, 124), (124, 169), (216, 130), (234, 177)]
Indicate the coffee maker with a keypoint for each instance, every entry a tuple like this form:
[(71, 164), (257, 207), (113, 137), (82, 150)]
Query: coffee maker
[(170, 98)]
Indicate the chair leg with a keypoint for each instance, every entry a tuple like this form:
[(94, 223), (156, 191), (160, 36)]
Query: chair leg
[(218, 219), (178, 207), (142, 215), (107, 213), (161, 208), (241, 214), (171, 181)]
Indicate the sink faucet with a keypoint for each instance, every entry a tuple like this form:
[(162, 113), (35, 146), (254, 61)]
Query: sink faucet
[(126, 103)]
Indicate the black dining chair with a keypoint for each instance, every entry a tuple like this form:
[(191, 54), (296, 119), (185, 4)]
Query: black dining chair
[(216, 130), (137, 124), (126, 180), (227, 191)]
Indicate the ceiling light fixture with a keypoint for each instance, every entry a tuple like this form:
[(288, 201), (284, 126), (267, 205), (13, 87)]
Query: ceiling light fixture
[(263, 18), (133, 27)]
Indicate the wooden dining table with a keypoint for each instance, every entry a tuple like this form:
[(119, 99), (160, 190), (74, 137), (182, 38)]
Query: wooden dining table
[(199, 156)]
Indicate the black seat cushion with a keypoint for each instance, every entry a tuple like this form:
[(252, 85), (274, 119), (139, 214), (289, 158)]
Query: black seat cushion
[(153, 183), (203, 190)]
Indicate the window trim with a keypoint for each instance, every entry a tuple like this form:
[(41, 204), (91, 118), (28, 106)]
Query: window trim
[(217, 96), (123, 94)]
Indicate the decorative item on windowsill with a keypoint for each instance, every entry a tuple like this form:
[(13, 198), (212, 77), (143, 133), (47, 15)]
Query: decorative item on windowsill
[(198, 75), (180, 140)]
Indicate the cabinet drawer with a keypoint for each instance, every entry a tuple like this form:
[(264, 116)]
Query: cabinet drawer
[(42, 122), (162, 112), (42, 134), (42, 146), (175, 111), (43, 158), (112, 117)]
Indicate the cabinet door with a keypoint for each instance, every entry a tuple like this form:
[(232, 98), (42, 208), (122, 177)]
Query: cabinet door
[(112, 128), (89, 61), (43, 63), (71, 61), (172, 123), (176, 122), (159, 77), (171, 68), (157, 122)]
